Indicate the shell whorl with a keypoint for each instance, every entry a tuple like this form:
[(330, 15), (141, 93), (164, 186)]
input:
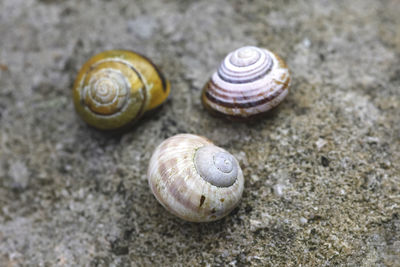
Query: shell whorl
[(194, 179), (216, 166), (107, 92), (114, 88), (249, 81), (111, 92), (245, 65)]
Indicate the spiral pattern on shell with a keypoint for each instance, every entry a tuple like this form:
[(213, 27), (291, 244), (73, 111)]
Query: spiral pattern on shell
[(194, 179), (249, 82), (107, 92), (114, 88)]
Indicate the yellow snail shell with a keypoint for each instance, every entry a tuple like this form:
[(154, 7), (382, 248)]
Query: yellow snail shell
[(194, 179), (249, 82), (115, 88)]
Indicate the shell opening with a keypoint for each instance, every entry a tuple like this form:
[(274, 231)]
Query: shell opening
[(216, 166)]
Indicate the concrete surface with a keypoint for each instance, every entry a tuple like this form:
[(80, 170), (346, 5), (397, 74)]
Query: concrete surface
[(322, 170)]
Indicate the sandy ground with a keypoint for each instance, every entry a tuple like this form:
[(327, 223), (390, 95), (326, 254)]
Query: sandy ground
[(322, 170)]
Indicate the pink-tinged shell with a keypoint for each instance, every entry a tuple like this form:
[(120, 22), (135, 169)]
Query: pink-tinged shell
[(178, 186), (249, 82)]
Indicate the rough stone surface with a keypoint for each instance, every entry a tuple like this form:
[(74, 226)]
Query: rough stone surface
[(322, 170)]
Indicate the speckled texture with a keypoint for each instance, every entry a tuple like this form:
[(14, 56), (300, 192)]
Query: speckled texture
[(322, 170)]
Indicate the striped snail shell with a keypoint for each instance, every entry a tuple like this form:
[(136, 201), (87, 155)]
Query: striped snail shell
[(249, 82), (194, 179), (115, 88)]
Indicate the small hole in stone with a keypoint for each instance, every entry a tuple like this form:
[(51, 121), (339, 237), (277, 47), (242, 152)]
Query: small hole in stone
[(222, 199), (324, 161)]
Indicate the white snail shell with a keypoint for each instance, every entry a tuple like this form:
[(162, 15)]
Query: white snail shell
[(194, 179), (249, 82)]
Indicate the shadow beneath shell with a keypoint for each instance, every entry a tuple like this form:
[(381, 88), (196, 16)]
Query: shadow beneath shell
[(115, 135), (249, 121), (192, 231)]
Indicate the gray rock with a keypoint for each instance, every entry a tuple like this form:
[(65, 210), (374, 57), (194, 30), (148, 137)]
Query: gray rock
[(322, 170)]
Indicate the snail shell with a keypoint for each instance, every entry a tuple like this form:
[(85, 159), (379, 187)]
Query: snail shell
[(249, 82), (194, 179), (115, 88)]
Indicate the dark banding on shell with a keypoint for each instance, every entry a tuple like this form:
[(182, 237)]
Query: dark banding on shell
[(249, 82)]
